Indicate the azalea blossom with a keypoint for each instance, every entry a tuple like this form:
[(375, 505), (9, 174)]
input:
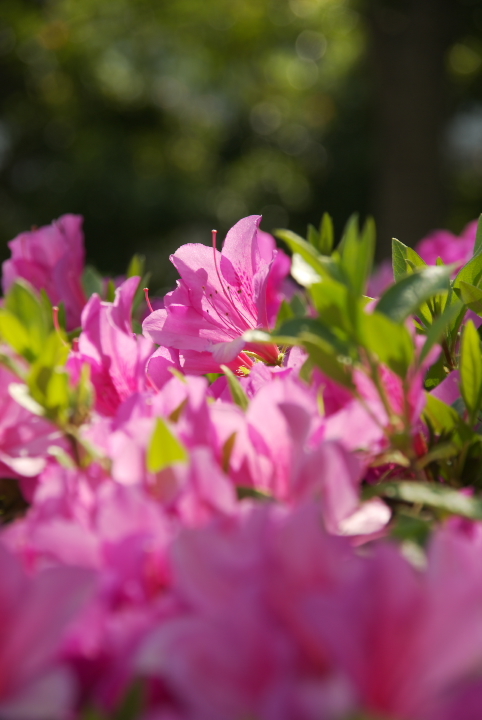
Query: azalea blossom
[(221, 295), (51, 258)]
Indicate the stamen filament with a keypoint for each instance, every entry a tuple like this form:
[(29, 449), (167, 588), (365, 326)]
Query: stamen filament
[(146, 295)]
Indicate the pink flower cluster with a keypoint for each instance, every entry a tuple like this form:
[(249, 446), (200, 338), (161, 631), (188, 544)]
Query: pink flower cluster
[(217, 557)]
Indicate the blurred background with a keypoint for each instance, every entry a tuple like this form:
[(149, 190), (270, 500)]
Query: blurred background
[(160, 119)]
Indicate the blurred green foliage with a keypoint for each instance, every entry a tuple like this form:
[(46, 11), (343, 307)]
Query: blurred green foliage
[(159, 120)]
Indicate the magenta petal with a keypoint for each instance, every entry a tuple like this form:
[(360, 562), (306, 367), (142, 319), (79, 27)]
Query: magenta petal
[(183, 328), (241, 257)]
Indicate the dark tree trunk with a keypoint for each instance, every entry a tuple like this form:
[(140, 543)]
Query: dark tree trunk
[(409, 45)]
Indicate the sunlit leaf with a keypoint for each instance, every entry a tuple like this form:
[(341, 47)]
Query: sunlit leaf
[(164, 448)]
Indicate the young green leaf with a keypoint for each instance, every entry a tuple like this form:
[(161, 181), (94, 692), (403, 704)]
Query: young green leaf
[(389, 342), (404, 260), (92, 282), (136, 266), (326, 235), (471, 273), (471, 370), (335, 304), (239, 396), (478, 237), (441, 417), (431, 494), (436, 331), (328, 360), (407, 295), (13, 333), (356, 253), (313, 237), (303, 272), (470, 296), (165, 448), (30, 310), (303, 248)]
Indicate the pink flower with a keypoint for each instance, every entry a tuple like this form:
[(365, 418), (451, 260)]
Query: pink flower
[(219, 297), (51, 258), (116, 355), (35, 614), (381, 279), (228, 652), (389, 626), (24, 437), (451, 248)]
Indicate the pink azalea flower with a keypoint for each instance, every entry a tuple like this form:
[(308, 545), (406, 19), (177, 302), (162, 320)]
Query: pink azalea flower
[(228, 651), (36, 613), (389, 625), (451, 248), (276, 451), (24, 437), (116, 355), (219, 297), (51, 258)]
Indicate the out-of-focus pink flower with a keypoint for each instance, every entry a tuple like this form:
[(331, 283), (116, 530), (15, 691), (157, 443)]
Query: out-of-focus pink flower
[(116, 355), (381, 279), (228, 652), (388, 625), (276, 451), (35, 613), (24, 437), (451, 248), (51, 258), (219, 297)]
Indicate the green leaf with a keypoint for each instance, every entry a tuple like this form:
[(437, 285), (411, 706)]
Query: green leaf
[(313, 237), (132, 704), (48, 381), (335, 304), (93, 714), (244, 491), (431, 494), (92, 282), (470, 296), (326, 235), (239, 396), (227, 451), (471, 273), (303, 248), (136, 266), (164, 448), (437, 329), (14, 334), (285, 313), (110, 292), (404, 260), (478, 237), (407, 295), (441, 417), (31, 311), (303, 272), (356, 253), (471, 369), (296, 329), (390, 342), (328, 360)]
